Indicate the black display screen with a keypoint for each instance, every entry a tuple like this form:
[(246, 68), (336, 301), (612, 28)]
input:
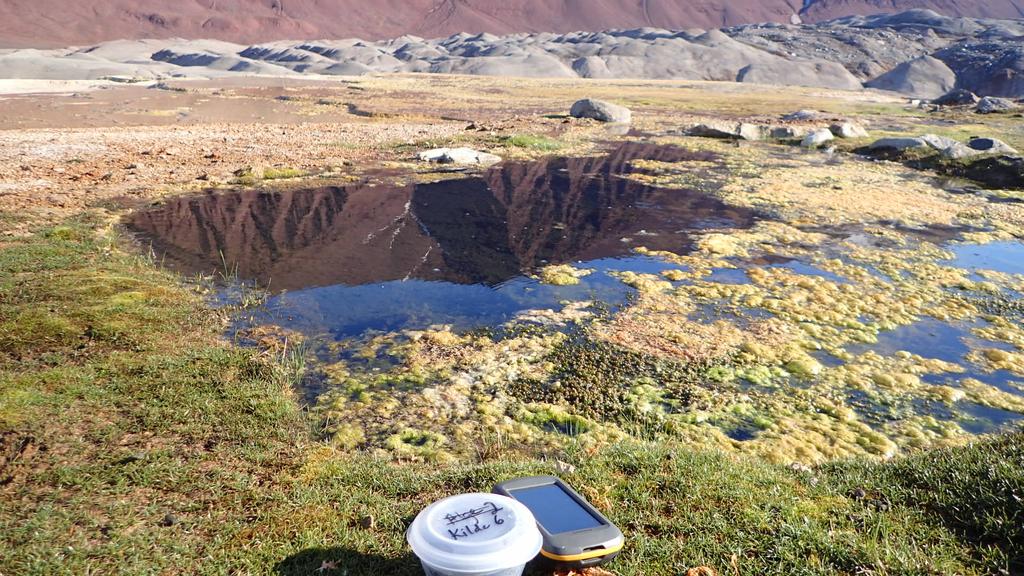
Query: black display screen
[(555, 510)]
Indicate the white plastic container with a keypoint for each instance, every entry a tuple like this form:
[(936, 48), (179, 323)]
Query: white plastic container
[(475, 535)]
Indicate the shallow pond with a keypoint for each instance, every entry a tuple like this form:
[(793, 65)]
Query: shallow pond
[(356, 266), (343, 260)]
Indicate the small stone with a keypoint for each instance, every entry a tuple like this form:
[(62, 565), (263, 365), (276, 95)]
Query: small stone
[(564, 467), (169, 520), (800, 468), (817, 138), (601, 111)]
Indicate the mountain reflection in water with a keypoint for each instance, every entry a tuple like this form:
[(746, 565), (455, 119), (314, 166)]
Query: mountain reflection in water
[(480, 230)]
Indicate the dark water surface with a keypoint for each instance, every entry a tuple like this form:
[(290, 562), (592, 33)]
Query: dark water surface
[(359, 257)]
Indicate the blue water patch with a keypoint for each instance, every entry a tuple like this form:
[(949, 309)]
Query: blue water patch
[(928, 338), (728, 276), (1005, 257), (349, 311), (980, 419)]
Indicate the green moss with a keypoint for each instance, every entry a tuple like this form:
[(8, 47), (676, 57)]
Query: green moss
[(555, 419), (282, 173), (601, 381), (562, 275), (533, 142), (418, 444)]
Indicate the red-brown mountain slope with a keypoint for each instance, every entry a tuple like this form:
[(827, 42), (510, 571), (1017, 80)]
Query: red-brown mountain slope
[(55, 23)]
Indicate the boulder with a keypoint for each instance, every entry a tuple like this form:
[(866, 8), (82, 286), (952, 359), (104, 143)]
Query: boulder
[(923, 77), (938, 142), (848, 130), (817, 138), (787, 132), (713, 129), (728, 130), (957, 97), (601, 111), (458, 156), (751, 131), (992, 146), (958, 151), (948, 147), (990, 105), (898, 144)]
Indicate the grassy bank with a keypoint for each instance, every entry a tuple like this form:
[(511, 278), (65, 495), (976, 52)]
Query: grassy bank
[(133, 440)]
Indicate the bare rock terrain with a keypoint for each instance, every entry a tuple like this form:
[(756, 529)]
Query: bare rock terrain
[(917, 53)]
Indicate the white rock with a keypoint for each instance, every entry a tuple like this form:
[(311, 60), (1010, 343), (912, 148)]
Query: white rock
[(458, 156), (848, 130), (817, 138)]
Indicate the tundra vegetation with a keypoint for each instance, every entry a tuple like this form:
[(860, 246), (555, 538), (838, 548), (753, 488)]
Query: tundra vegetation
[(735, 414)]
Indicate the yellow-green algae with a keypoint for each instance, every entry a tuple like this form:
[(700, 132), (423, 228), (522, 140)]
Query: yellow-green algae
[(562, 275), (757, 360)]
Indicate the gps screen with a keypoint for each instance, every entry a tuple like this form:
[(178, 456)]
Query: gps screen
[(555, 510)]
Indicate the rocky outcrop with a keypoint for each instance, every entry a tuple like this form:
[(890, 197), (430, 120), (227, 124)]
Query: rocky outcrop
[(923, 77), (957, 97), (991, 105), (917, 53)]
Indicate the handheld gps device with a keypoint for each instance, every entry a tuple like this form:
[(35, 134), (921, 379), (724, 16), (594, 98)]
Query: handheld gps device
[(575, 533)]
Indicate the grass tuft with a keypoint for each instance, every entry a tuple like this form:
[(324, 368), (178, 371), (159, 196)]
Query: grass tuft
[(533, 142)]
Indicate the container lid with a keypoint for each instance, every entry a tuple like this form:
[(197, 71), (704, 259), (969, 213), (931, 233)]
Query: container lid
[(475, 533)]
